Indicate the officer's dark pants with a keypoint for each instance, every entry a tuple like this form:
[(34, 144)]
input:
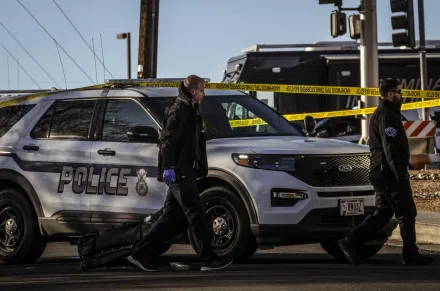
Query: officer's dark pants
[(391, 198), (182, 210)]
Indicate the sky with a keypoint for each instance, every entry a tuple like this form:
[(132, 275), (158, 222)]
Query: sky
[(195, 36)]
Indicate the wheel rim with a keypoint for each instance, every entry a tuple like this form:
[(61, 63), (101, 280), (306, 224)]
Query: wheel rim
[(11, 227), (222, 222)]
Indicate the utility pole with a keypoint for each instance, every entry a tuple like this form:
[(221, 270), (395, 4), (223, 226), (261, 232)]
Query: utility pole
[(422, 50), (369, 64), (369, 61), (148, 39)]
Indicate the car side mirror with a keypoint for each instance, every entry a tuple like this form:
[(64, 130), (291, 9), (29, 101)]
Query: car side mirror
[(143, 134), (309, 124)]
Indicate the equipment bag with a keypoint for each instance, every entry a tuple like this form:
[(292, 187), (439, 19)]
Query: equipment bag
[(109, 247)]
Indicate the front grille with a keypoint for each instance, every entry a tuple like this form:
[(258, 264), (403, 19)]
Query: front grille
[(330, 217), (333, 171), (345, 194)]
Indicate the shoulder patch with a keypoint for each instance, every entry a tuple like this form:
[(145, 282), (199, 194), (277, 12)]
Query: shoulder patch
[(390, 131)]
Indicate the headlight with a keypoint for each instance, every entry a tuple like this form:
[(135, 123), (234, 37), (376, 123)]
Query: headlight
[(265, 162)]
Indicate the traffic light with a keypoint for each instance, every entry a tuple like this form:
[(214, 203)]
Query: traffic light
[(338, 23), (404, 21), (354, 25)]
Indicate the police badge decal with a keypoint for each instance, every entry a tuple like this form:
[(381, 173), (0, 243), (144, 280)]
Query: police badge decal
[(141, 185)]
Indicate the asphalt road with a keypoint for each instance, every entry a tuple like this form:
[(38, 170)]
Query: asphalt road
[(287, 268)]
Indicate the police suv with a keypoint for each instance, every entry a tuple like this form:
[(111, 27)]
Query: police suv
[(80, 161)]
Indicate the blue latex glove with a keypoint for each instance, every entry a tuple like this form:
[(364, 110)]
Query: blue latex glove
[(169, 176)]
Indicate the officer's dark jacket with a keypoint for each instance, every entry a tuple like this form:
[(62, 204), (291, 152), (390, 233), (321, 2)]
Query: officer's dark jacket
[(182, 144), (388, 141)]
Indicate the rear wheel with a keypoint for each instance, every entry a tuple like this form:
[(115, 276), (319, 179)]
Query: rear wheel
[(365, 252), (228, 220), (20, 237)]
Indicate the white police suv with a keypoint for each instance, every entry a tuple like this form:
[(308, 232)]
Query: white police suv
[(79, 161)]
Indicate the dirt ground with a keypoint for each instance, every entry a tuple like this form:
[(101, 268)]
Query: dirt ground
[(426, 189)]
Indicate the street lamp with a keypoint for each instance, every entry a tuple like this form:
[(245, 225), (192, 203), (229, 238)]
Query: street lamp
[(127, 36)]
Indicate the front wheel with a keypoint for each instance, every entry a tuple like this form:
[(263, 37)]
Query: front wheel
[(365, 252), (228, 221), (20, 237)]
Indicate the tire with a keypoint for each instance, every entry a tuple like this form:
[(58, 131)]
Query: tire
[(241, 244), (365, 252), (249, 251), (28, 244)]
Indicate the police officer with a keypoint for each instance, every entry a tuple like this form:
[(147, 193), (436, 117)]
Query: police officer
[(182, 159), (389, 176)]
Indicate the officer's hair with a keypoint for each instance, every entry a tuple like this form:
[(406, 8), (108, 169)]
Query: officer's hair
[(192, 82), (388, 85)]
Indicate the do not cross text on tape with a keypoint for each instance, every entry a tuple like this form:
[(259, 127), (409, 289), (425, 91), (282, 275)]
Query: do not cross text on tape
[(300, 89), (277, 88)]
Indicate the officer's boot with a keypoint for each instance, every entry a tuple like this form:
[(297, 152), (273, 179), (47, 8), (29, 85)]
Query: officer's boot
[(416, 259), (410, 252), (350, 250)]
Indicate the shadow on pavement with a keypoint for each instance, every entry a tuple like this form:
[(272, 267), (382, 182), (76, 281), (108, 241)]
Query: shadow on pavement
[(263, 269)]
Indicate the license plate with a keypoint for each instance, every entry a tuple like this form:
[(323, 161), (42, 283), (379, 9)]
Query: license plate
[(351, 207)]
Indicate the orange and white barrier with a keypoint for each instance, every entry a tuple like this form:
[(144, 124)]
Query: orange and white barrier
[(421, 136), (419, 128)]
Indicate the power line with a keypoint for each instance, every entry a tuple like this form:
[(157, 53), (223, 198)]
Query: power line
[(102, 52), (61, 61), (9, 81), (6, 49), (18, 74), (96, 69), (54, 40), (93, 51), (29, 54)]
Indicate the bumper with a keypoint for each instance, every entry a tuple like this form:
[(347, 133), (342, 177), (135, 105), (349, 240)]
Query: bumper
[(261, 183), (317, 226)]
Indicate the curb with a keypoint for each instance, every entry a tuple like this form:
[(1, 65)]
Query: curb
[(425, 233), (430, 248)]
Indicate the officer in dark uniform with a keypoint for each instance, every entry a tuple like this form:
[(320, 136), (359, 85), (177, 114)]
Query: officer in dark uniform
[(182, 159), (389, 176)]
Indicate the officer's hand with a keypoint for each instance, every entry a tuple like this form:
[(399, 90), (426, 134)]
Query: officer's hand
[(169, 176)]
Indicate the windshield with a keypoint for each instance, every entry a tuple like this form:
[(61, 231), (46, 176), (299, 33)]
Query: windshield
[(234, 116)]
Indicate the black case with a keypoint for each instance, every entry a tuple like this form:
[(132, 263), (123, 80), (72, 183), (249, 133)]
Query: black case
[(110, 247)]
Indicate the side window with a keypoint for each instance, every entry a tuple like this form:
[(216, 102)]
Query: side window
[(69, 120), (10, 115), (237, 112), (122, 115)]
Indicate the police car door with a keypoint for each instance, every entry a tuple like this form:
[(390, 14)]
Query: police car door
[(54, 155), (126, 160)]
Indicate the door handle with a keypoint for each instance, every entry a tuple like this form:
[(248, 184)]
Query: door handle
[(107, 152), (31, 147)]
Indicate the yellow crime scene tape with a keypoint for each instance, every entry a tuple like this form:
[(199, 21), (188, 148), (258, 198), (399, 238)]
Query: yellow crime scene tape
[(301, 89), (276, 88), (17, 99), (307, 89), (331, 114)]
